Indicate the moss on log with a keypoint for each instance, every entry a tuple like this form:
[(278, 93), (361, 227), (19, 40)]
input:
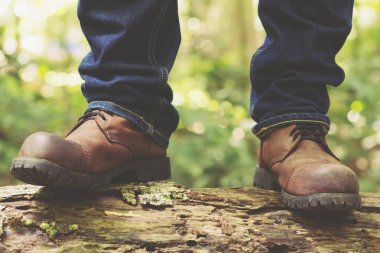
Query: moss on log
[(164, 217)]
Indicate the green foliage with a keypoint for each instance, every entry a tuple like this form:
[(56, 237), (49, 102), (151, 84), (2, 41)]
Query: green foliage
[(41, 45)]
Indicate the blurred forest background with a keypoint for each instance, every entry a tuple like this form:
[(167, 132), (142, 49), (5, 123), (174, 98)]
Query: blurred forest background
[(41, 45)]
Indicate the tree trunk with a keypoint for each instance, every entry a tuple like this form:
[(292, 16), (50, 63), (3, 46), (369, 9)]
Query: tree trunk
[(164, 217)]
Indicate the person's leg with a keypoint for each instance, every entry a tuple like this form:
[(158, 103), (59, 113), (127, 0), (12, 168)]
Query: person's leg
[(289, 76), (290, 72), (133, 48), (126, 128)]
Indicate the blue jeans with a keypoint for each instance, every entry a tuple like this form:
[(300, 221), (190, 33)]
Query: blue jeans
[(134, 44)]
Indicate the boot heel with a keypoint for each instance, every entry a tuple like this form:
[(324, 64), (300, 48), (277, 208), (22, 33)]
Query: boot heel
[(264, 179)]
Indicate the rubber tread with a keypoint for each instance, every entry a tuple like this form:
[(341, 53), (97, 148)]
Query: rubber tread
[(46, 173)]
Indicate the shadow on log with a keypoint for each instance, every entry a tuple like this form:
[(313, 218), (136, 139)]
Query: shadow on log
[(164, 217)]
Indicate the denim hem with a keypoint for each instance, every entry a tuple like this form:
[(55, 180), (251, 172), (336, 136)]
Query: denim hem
[(266, 126), (138, 120)]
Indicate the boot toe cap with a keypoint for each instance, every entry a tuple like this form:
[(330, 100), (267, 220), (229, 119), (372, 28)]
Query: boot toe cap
[(50, 147), (39, 145), (322, 178)]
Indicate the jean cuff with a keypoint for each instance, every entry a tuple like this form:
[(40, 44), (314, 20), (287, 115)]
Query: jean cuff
[(134, 117), (266, 126)]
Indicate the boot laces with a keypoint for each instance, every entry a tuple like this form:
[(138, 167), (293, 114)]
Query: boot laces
[(88, 116), (315, 133), (91, 115)]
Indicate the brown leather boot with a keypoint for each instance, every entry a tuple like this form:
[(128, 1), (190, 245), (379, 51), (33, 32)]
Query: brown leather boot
[(296, 160), (101, 149)]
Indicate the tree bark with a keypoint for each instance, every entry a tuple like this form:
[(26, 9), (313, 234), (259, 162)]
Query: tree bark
[(164, 217)]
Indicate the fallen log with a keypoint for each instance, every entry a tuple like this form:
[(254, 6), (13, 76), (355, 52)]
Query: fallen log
[(164, 217)]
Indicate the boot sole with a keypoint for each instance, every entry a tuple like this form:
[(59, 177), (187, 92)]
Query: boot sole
[(46, 173), (265, 179)]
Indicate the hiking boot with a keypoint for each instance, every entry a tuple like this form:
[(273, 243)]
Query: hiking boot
[(101, 149), (297, 161)]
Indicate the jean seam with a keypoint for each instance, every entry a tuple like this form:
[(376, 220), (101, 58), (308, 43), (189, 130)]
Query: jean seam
[(263, 129), (164, 77), (152, 53), (135, 114), (163, 14), (156, 26), (152, 43)]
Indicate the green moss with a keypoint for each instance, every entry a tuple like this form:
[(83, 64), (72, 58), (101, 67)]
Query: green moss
[(155, 193), (52, 232), (73, 227), (180, 195), (28, 222), (49, 229), (129, 196), (156, 199), (44, 225), (166, 196)]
